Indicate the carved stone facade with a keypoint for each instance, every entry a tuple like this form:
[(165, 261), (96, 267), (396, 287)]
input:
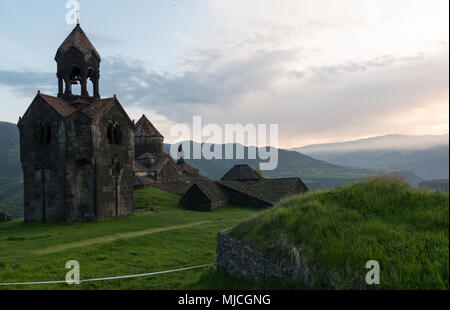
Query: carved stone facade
[(148, 140), (76, 150)]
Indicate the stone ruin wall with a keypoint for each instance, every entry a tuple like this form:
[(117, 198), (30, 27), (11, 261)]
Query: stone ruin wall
[(242, 261)]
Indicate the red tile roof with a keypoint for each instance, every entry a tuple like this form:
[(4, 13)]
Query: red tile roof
[(94, 110), (91, 108), (97, 108), (60, 106)]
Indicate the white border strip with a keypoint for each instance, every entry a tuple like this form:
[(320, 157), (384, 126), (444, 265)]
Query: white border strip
[(113, 278)]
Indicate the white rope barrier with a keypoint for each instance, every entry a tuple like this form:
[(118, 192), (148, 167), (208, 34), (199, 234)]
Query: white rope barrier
[(113, 278)]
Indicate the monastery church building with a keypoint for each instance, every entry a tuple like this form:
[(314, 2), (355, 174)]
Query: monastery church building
[(78, 150)]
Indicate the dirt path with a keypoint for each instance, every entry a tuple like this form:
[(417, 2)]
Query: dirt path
[(110, 238)]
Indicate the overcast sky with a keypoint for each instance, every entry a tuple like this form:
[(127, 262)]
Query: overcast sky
[(325, 71)]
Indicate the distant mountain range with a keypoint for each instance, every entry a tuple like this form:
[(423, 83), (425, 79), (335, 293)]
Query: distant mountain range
[(336, 164), (317, 174), (426, 156), (290, 164)]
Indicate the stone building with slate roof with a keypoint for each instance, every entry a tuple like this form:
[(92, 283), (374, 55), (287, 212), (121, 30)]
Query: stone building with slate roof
[(241, 186), (264, 192), (148, 140), (241, 173), (153, 167), (77, 150), (204, 196)]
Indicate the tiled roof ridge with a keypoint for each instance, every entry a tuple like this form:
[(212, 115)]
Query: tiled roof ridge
[(78, 39), (205, 187), (241, 172)]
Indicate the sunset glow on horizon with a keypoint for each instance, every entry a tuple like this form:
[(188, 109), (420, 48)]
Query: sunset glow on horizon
[(325, 71)]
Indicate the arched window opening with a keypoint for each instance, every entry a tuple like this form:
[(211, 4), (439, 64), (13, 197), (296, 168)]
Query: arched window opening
[(75, 80), (47, 133), (110, 133), (43, 132), (117, 134), (91, 77), (114, 133), (39, 132)]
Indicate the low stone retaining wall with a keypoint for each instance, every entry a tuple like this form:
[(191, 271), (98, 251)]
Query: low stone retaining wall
[(242, 261)]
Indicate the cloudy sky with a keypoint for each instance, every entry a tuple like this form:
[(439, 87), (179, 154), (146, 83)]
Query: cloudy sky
[(324, 70)]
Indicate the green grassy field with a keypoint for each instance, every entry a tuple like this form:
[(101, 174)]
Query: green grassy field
[(337, 231), (165, 239), (405, 229)]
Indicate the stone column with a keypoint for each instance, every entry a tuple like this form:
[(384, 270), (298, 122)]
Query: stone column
[(84, 92), (60, 85), (68, 90), (96, 88)]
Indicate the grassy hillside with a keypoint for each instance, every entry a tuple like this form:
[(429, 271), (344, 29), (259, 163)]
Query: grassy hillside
[(406, 230), (11, 188), (337, 231), (168, 238)]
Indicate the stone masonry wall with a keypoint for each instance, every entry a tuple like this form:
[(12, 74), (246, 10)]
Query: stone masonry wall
[(114, 199), (42, 164), (242, 261)]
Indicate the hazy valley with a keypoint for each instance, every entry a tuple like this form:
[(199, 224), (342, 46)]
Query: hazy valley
[(319, 166)]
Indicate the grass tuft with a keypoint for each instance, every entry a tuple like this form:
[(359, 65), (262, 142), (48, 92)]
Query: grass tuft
[(337, 231)]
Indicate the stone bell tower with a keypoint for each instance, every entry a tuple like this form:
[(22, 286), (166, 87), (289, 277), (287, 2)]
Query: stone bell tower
[(77, 150), (78, 62)]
